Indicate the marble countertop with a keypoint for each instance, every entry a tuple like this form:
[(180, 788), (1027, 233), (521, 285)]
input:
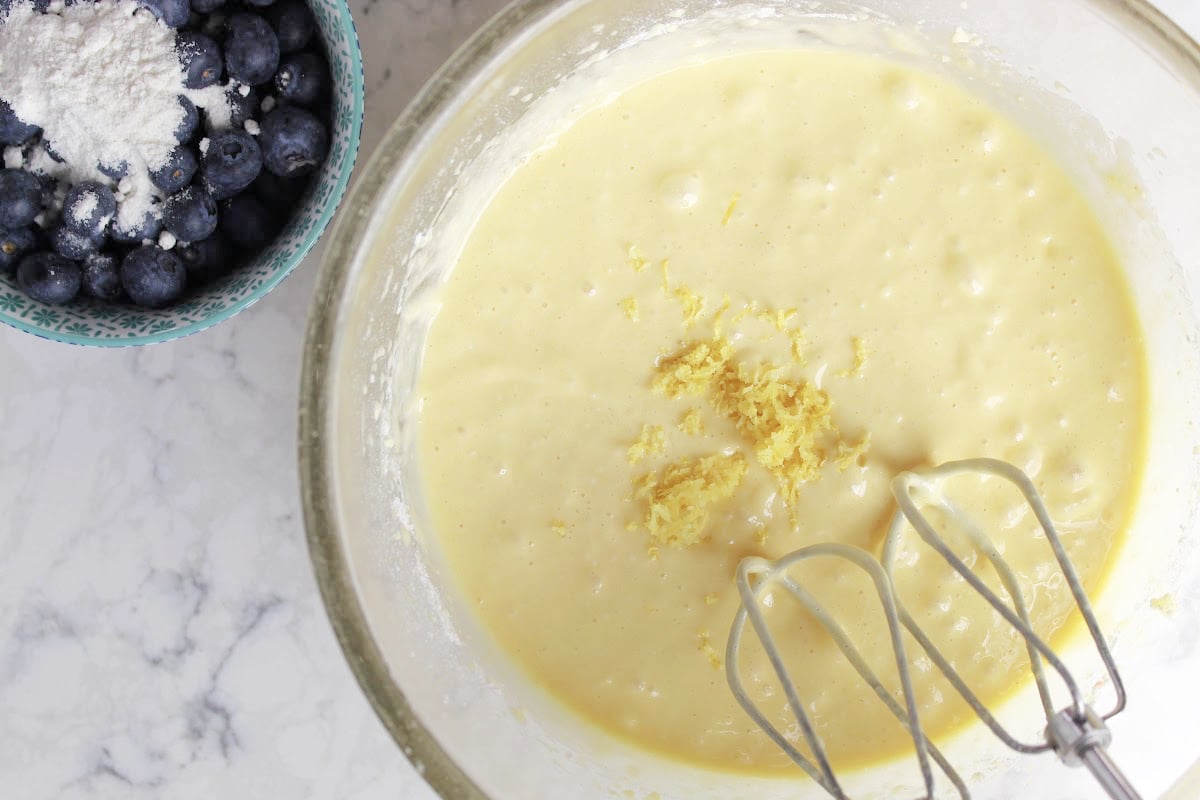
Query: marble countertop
[(161, 634)]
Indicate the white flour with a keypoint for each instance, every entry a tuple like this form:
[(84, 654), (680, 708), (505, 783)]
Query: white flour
[(102, 80)]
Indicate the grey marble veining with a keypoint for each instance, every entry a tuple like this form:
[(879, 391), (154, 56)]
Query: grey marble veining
[(161, 634)]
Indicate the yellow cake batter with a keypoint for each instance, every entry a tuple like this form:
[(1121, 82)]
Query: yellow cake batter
[(712, 320)]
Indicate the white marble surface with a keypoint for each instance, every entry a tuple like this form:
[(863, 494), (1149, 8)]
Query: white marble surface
[(161, 634)]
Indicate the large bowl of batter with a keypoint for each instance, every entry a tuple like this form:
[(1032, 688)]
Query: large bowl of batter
[(636, 289)]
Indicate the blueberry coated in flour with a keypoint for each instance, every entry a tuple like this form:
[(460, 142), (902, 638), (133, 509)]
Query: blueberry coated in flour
[(189, 123), (153, 277), (49, 278), (302, 78), (88, 208), (247, 222), (201, 57), (231, 163), (206, 260), (174, 13), (101, 273), (14, 244), (20, 198), (146, 229), (177, 173), (251, 49), (294, 142), (293, 23), (74, 245), (116, 171), (190, 215), (13, 131)]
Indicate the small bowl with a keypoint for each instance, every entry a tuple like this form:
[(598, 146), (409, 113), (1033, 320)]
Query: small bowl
[(87, 322)]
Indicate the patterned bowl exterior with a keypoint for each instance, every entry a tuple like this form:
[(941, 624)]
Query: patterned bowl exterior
[(86, 322)]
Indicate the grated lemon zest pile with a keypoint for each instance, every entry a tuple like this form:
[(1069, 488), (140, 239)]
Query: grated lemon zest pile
[(559, 527), (786, 422), (680, 496)]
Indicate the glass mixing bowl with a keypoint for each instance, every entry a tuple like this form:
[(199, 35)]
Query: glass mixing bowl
[(1110, 86)]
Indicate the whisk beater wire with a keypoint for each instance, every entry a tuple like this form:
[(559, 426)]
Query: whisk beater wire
[(1076, 733), (770, 574)]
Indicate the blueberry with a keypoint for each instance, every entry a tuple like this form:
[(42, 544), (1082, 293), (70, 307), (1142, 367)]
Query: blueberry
[(190, 215), (251, 49), (74, 245), (12, 130), (201, 59), (189, 123), (231, 163), (14, 244), (247, 223), (206, 6), (242, 106), (302, 78), (49, 278), (174, 13), (177, 172), (207, 260), (153, 277), (116, 171), (279, 194), (294, 142), (102, 277), (212, 23), (146, 229), (88, 208), (293, 23), (20, 198), (259, 3)]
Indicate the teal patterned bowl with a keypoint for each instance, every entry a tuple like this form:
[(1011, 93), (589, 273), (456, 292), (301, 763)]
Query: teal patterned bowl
[(105, 325)]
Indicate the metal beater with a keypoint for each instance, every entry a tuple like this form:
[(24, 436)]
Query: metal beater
[(1077, 733)]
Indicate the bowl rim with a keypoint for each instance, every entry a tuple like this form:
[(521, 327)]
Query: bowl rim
[(334, 576), (314, 233)]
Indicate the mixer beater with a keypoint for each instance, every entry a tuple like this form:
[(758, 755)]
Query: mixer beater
[(1076, 733)]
